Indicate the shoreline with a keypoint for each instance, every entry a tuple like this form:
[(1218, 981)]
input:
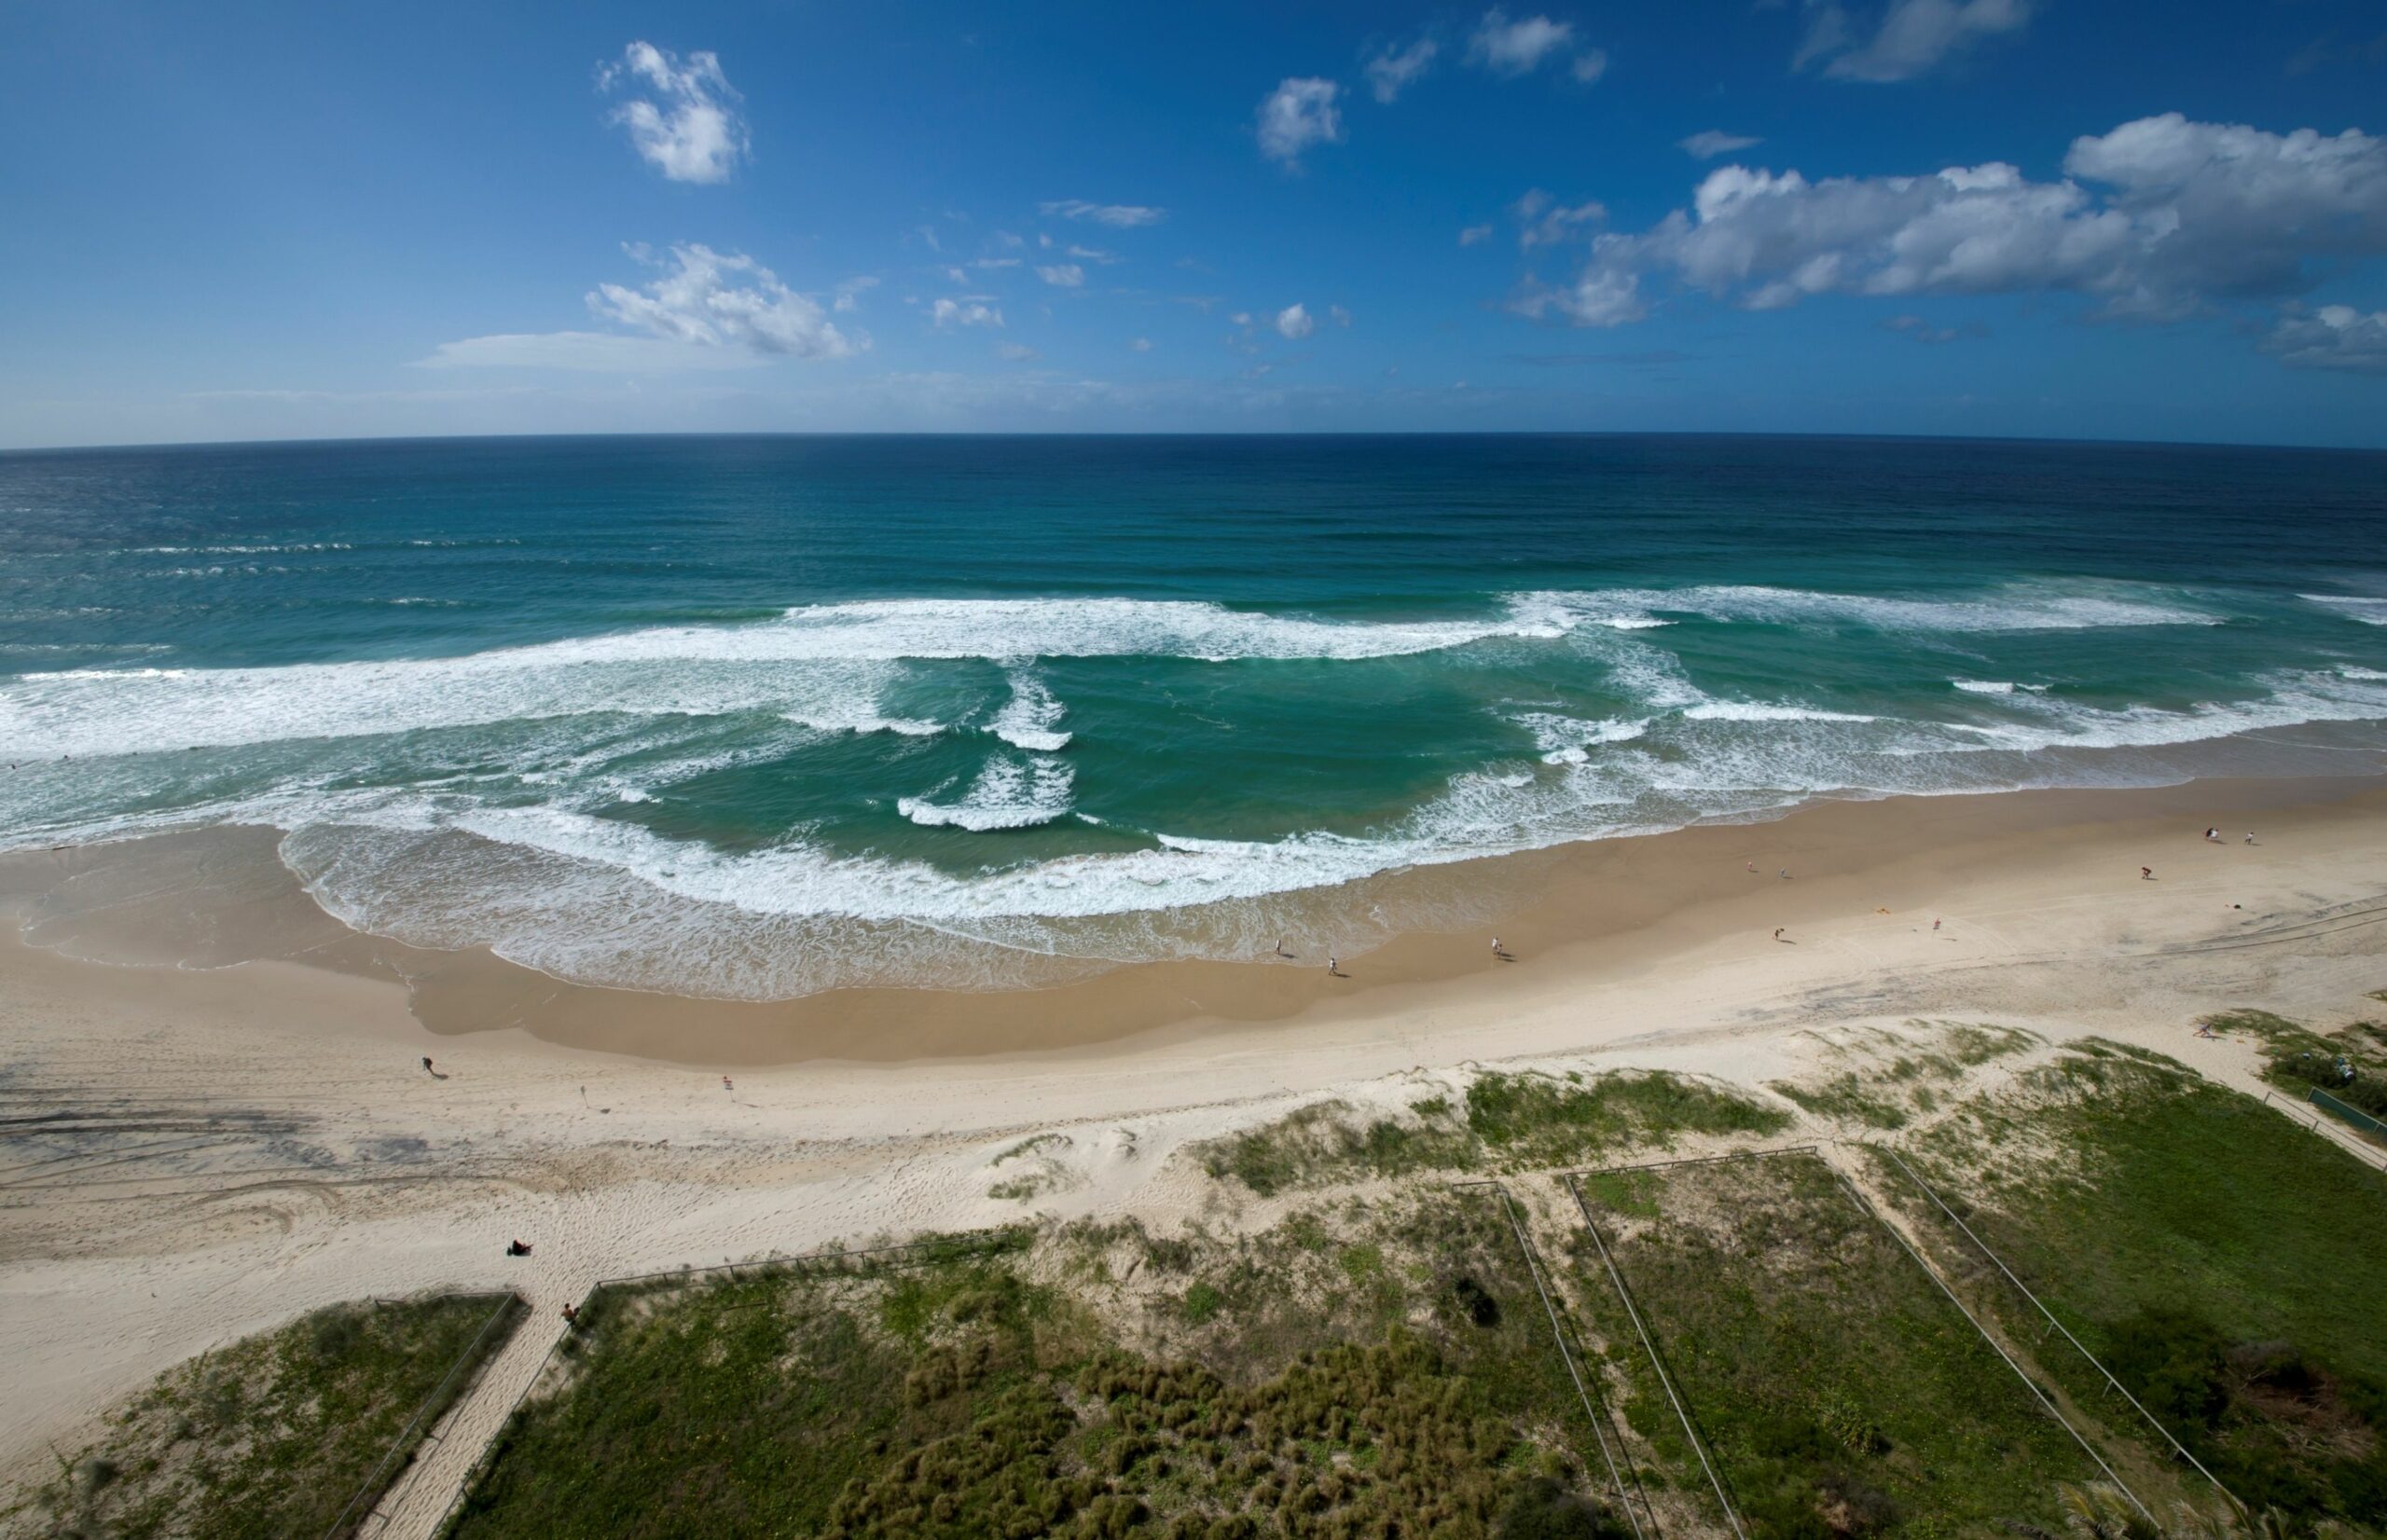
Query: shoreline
[(1609, 910)]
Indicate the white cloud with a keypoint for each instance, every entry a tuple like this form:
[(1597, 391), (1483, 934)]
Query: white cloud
[(850, 294), (1393, 71), (1709, 144), (1548, 223), (1014, 352), (1241, 318), (1299, 113), (1589, 65), (2182, 215), (1090, 253), (2335, 336), (1140, 345), (1295, 321), (1475, 235), (1067, 275), (689, 128), (603, 353), (958, 312), (1117, 216), (1340, 316), (1914, 36), (1517, 48), (700, 299)]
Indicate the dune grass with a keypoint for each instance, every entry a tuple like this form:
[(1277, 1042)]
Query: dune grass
[(2228, 1266), (1506, 1122), (1838, 1390), (275, 1434), (1379, 1373)]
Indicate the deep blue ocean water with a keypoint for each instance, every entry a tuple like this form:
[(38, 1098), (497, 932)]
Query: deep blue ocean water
[(761, 716)]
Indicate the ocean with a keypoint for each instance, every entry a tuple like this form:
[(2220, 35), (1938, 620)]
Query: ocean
[(757, 717)]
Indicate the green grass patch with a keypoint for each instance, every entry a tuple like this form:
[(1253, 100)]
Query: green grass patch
[(1848, 1099), (2230, 1267), (1507, 1121), (1838, 1389), (974, 1397), (273, 1436)]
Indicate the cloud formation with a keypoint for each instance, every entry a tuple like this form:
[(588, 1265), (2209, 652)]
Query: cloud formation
[(715, 299), (1520, 47), (964, 312), (1393, 71), (2183, 216), (1709, 144), (689, 127), (1298, 114), (2335, 336), (1295, 321), (1065, 275), (1117, 216), (1914, 36)]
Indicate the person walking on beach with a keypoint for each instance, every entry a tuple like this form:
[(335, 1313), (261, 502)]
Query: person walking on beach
[(2146, 874), (1500, 952), (725, 1085), (2250, 837), (1786, 874), (1334, 965), (1935, 924), (1777, 933), (2212, 836), (1280, 948), (426, 1065)]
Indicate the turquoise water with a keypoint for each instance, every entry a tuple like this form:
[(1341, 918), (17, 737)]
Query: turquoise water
[(756, 717)]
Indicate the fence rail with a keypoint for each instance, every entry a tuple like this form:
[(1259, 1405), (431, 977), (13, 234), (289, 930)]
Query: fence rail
[(2353, 1115), (434, 1406)]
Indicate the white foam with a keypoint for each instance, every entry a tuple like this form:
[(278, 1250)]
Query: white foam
[(1985, 686), (1568, 740), (1027, 719), (2020, 607), (2369, 610), (1758, 711), (1010, 793)]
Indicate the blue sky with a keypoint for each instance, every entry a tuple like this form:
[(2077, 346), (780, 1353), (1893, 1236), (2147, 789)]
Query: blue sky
[(2026, 218)]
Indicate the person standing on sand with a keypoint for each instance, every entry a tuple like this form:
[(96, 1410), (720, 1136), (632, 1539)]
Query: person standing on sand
[(1777, 933), (2146, 874), (725, 1085), (1935, 924), (426, 1065), (2250, 837)]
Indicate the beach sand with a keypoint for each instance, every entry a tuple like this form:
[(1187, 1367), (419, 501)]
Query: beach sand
[(205, 1147)]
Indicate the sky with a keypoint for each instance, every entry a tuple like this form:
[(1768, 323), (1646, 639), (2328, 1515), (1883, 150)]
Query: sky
[(2032, 218)]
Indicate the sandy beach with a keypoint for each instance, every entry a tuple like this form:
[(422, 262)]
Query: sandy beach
[(226, 1122)]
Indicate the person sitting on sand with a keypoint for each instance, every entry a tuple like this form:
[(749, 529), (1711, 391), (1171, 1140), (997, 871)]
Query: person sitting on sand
[(518, 1247), (572, 1316)]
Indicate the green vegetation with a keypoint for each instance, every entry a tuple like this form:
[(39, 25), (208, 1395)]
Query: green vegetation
[(1374, 1371), (1848, 1098), (275, 1434), (1838, 1390), (2229, 1267), (1903, 1073), (2349, 1064), (1520, 1122)]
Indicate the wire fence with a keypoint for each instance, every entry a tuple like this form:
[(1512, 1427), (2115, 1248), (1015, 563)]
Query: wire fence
[(1683, 1412), (2115, 1385), (509, 1312), (2348, 1113), (801, 1264), (1595, 1404)]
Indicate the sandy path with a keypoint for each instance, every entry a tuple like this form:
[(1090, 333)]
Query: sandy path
[(196, 1156)]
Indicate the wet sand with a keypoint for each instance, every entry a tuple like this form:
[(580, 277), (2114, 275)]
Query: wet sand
[(1605, 909)]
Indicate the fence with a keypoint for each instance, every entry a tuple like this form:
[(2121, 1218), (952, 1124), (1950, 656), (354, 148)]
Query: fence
[(936, 1247), (2353, 1115), (508, 1313)]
